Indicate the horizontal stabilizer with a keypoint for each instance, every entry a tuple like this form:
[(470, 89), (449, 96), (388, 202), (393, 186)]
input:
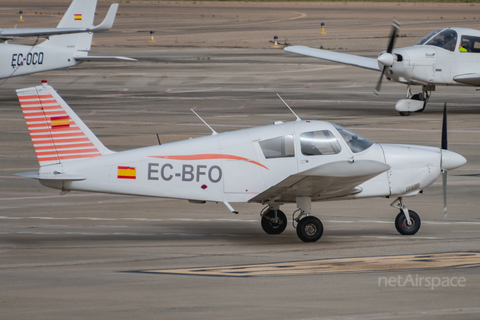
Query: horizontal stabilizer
[(350, 59), (472, 79), (103, 58), (106, 25), (59, 176), (328, 181)]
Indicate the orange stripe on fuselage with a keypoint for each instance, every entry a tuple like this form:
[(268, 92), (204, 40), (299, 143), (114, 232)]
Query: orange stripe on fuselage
[(209, 156)]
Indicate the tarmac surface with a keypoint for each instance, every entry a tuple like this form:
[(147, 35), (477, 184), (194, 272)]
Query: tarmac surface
[(101, 256)]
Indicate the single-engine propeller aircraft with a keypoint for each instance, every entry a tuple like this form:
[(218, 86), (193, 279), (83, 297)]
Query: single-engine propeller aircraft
[(447, 56), (295, 162), (66, 45)]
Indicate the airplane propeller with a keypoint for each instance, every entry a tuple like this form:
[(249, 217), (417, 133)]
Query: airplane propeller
[(387, 59), (444, 147), (450, 160)]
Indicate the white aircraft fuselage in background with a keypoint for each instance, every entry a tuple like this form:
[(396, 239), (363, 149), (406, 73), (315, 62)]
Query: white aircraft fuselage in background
[(66, 45), (448, 56)]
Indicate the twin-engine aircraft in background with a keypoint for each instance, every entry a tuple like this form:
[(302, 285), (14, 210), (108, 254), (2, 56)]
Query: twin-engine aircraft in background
[(66, 45), (447, 56), (295, 162)]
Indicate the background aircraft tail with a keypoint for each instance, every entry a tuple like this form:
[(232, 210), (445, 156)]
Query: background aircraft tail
[(80, 14), (57, 133)]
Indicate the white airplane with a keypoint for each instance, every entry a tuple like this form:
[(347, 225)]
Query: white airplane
[(295, 162), (447, 56), (66, 45)]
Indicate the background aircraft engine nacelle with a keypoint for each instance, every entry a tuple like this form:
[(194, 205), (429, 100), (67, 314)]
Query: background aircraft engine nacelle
[(413, 168)]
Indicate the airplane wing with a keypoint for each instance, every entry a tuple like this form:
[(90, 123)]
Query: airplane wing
[(106, 25), (350, 59), (331, 180), (472, 79)]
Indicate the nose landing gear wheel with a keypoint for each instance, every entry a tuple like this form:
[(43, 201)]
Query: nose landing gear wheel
[(309, 229), (402, 225), (270, 226)]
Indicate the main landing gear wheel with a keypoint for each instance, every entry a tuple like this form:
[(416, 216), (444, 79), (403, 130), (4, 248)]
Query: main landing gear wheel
[(270, 226), (402, 225), (309, 229)]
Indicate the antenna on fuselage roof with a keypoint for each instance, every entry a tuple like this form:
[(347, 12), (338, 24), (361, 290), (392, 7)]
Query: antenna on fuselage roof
[(298, 119), (213, 131)]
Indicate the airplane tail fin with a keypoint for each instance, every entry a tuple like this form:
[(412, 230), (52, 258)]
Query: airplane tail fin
[(57, 133), (80, 14)]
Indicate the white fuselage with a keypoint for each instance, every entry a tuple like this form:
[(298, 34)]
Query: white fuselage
[(17, 60), (424, 64), (232, 167)]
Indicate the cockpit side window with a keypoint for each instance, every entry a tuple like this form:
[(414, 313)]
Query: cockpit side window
[(280, 147), (320, 142), (356, 142), (469, 44), (446, 39)]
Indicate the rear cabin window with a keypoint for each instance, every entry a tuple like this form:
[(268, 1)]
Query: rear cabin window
[(280, 147), (319, 143), (469, 44)]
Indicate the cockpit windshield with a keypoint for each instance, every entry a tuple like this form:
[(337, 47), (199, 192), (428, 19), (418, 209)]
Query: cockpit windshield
[(447, 39), (428, 36), (356, 142)]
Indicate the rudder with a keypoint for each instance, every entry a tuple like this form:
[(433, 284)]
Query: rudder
[(80, 14), (57, 133)]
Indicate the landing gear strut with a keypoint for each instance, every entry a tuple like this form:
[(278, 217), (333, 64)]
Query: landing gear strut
[(309, 228), (414, 102), (407, 221)]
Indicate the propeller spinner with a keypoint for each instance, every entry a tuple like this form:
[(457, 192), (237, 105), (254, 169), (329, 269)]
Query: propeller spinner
[(388, 58)]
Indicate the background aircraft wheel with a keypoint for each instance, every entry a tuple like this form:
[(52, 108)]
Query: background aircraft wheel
[(403, 227), (404, 113), (269, 225), (309, 229)]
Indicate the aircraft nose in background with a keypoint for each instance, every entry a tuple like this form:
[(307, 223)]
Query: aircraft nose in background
[(452, 160)]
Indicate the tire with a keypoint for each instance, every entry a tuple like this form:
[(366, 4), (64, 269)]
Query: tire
[(402, 226), (405, 113), (310, 229), (269, 226)]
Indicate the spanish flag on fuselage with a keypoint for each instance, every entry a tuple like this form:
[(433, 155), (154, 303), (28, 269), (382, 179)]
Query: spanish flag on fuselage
[(77, 17), (126, 172)]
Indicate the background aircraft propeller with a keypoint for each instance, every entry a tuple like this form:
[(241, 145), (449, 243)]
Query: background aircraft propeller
[(387, 58)]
